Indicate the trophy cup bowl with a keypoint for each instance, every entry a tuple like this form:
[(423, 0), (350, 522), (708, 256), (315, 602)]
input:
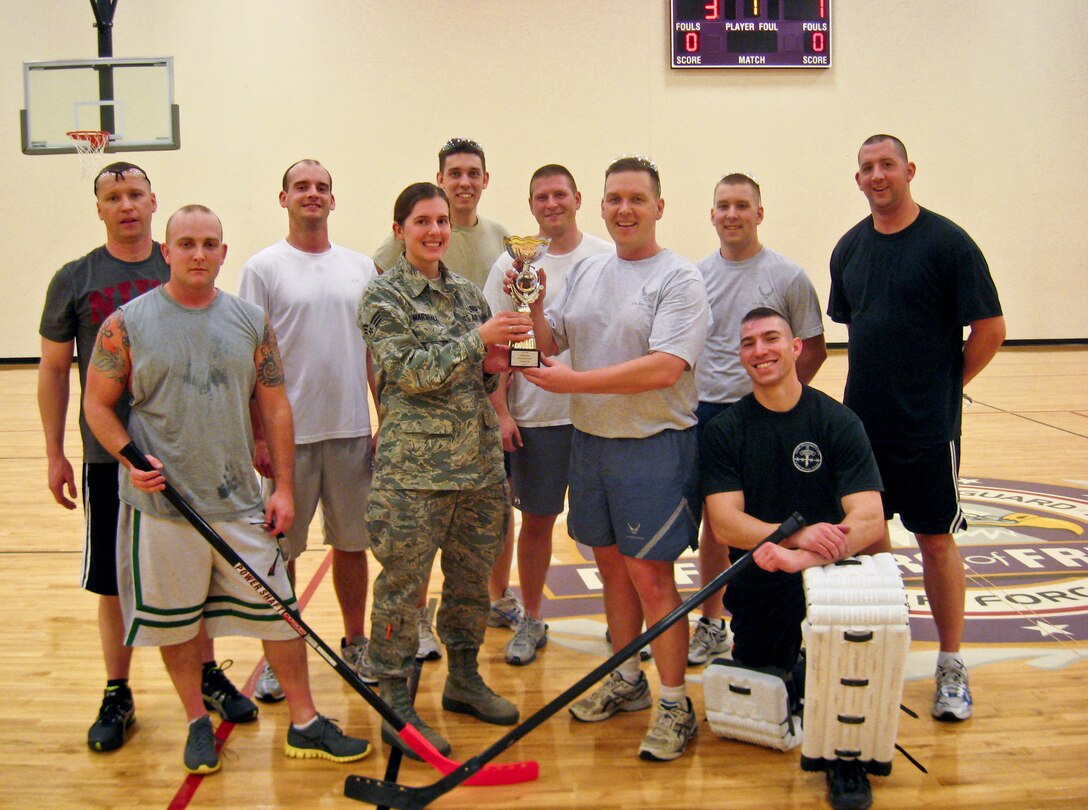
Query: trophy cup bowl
[(525, 290)]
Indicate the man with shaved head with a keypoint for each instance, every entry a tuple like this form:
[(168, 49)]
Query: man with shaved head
[(191, 358)]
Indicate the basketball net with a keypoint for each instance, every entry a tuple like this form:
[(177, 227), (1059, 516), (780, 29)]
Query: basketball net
[(90, 145)]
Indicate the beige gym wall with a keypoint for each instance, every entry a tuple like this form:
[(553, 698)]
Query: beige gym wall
[(991, 102)]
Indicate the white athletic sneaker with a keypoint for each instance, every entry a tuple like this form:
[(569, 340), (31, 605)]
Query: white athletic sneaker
[(707, 640), (268, 689), (674, 727), (531, 635), (357, 656), (952, 701), (429, 649), (613, 695), (506, 611)]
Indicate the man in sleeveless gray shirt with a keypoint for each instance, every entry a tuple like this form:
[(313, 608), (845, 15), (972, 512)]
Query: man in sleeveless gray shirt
[(81, 296), (192, 358)]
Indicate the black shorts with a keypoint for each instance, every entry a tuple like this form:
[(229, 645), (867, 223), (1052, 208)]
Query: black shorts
[(920, 486), (100, 504)]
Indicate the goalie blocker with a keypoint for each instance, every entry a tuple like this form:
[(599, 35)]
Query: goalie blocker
[(857, 638)]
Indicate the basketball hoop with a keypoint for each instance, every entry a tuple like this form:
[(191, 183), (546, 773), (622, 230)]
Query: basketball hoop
[(90, 144)]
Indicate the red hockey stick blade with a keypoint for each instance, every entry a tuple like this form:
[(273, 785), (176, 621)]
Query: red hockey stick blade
[(503, 773)]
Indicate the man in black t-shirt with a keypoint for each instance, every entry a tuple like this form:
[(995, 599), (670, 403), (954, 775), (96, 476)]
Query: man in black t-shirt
[(784, 448), (81, 295), (906, 281)]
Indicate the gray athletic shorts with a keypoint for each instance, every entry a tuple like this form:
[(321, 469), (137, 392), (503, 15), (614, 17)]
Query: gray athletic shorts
[(169, 577), (539, 469), (336, 473), (639, 494)]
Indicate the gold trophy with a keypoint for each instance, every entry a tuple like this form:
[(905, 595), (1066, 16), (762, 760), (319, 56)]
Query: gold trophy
[(524, 291)]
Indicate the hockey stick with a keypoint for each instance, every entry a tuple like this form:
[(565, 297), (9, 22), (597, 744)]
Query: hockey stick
[(391, 794), (501, 774)]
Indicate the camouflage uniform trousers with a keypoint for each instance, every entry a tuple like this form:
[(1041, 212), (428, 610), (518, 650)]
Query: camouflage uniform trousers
[(407, 528)]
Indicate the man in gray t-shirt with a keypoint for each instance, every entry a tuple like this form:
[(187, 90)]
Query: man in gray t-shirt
[(635, 322), (740, 276), (81, 296)]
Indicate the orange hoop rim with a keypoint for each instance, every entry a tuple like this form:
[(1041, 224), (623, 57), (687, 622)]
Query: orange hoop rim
[(96, 139)]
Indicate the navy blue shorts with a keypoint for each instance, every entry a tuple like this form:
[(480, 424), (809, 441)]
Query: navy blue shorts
[(539, 469), (920, 486), (638, 494)]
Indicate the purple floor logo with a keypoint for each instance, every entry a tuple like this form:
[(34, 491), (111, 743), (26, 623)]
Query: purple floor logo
[(1026, 552)]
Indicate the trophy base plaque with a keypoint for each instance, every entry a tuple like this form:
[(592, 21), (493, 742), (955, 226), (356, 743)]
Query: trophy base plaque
[(524, 358)]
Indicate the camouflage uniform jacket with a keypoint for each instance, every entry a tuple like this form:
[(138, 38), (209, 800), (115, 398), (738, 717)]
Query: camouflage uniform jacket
[(438, 428)]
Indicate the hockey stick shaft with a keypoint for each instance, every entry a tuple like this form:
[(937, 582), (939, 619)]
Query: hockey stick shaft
[(509, 773), (390, 794)]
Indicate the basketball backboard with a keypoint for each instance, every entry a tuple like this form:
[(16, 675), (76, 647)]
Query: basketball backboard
[(132, 99)]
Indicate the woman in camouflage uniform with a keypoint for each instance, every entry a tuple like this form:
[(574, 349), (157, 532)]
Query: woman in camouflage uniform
[(438, 472)]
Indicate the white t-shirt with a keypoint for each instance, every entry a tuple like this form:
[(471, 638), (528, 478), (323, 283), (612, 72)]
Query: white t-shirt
[(734, 289), (531, 406), (312, 300), (612, 310)]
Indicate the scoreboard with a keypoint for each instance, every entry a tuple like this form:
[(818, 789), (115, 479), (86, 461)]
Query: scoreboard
[(751, 33)]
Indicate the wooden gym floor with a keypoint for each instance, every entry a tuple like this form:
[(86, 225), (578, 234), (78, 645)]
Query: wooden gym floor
[(1026, 747)]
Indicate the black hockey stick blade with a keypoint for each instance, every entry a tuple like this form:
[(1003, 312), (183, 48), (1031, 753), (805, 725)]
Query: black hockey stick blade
[(391, 794), (502, 774)]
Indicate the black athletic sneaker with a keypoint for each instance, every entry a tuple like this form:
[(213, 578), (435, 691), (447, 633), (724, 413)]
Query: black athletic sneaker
[(219, 694), (115, 717), (848, 786)]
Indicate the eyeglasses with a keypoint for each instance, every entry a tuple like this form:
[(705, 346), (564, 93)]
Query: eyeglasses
[(134, 171), (455, 144), (640, 160)]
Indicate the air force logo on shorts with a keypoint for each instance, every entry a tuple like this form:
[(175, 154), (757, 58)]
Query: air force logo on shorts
[(807, 457)]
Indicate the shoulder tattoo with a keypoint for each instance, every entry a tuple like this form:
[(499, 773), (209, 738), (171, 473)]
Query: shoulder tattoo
[(269, 365), (111, 349)]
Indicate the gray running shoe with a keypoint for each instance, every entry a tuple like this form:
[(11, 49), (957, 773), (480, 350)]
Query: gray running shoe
[(220, 694), (357, 656), (952, 701), (324, 740), (674, 727), (115, 717), (506, 611), (707, 640), (530, 636), (268, 689), (429, 648), (613, 695), (200, 754)]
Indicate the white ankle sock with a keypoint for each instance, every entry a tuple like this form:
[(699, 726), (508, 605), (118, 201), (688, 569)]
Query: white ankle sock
[(630, 670), (673, 694), (305, 726)]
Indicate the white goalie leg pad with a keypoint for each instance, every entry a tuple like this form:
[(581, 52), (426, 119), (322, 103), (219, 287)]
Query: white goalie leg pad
[(857, 638), (750, 705)]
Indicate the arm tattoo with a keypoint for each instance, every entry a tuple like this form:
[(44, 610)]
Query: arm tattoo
[(111, 350), (269, 366)]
